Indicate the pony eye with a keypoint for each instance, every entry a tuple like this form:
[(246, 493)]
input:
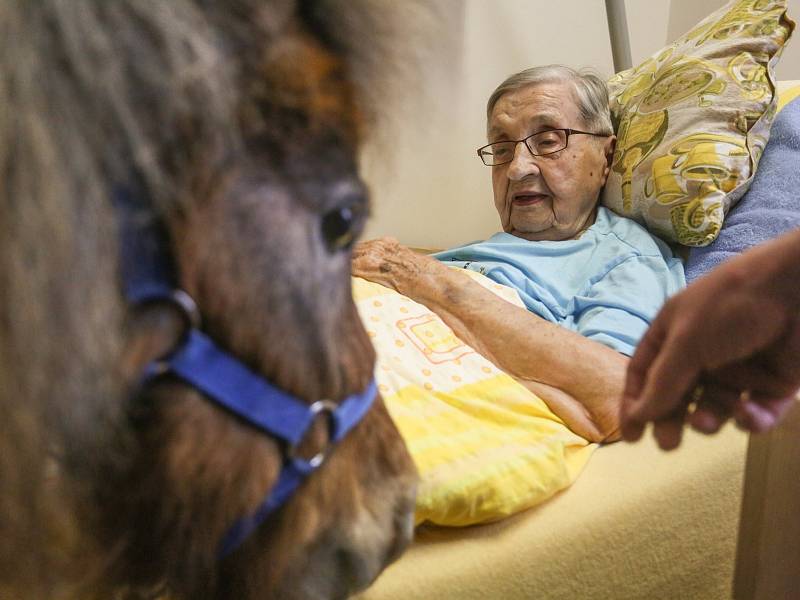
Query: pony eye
[(340, 228)]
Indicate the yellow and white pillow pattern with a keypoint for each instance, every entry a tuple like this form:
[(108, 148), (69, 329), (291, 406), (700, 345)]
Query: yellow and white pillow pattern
[(485, 446), (693, 120), (787, 91)]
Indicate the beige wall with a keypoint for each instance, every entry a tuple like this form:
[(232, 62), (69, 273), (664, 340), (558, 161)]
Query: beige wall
[(429, 188), (654, 23)]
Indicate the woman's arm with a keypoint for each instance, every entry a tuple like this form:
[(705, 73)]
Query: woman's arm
[(581, 380)]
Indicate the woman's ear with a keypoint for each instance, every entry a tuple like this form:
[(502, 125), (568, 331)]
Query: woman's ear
[(608, 150)]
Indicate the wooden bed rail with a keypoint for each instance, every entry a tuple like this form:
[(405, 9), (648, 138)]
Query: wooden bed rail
[(768, 551)]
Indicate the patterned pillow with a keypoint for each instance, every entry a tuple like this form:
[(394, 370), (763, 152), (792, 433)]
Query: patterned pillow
[(771, 206), (485, 446), (693, 119)]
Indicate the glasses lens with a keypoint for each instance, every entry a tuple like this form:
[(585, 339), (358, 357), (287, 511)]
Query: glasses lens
[(547, 142), (498, 154)]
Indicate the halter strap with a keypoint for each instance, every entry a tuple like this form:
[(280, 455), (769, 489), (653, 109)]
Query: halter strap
[(149, 275)]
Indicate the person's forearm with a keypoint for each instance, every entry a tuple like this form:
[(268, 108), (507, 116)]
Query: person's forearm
[(526, 346), (735, 331)]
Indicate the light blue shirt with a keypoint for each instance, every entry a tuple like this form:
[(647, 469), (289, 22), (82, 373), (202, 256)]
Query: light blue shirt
[(606, 285)]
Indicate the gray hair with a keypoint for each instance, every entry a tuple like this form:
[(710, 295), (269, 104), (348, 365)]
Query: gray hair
[(591, 92)]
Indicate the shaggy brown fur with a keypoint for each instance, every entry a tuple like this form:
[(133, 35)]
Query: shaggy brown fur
[(238, 121)]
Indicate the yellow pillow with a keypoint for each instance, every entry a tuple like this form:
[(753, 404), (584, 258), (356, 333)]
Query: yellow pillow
[(485, 446), (693, 119)]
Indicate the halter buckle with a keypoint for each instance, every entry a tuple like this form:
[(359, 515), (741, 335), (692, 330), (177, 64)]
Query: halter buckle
[(187, 306), (319, 407)]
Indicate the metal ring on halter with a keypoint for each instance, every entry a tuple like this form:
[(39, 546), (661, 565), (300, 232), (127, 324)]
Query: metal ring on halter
[(188, 307), (320, 406)]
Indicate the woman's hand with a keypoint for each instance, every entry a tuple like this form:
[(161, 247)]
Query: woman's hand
[(395, 266)]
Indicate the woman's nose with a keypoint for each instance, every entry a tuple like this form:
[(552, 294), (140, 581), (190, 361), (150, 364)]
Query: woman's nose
[(523, 164)]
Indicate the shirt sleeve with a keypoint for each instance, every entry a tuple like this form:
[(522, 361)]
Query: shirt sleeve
[(618, 306)]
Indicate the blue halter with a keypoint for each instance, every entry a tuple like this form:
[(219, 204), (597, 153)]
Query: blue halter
[(149, 275)]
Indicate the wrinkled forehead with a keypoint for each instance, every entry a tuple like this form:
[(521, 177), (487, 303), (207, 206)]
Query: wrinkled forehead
[(533, 108)]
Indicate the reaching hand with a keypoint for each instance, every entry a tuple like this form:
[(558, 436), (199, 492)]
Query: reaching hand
[(389, 263), (728, 346)]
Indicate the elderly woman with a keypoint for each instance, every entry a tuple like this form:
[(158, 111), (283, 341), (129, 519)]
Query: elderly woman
[(591, 281)]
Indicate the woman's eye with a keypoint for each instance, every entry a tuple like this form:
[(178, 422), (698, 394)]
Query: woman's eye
[(340, 228)]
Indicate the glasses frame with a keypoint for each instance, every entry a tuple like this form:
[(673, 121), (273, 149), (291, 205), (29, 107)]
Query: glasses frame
[(567, 132)]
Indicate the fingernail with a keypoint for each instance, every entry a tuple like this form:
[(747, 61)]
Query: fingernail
[(668, 442), (631, 430), (705, 422)]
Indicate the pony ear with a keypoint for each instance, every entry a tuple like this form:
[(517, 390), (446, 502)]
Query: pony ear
[(386, 46), (153, 330)]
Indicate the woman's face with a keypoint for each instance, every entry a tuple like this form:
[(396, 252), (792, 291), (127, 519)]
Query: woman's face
[(549, 197)]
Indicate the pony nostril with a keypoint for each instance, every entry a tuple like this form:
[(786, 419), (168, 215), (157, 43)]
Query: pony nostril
[(404, 534)]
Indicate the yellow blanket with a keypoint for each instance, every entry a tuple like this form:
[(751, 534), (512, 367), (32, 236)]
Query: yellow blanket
[(485, 446)]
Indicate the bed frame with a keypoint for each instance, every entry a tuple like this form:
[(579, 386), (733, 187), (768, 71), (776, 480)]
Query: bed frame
[(768, 550)]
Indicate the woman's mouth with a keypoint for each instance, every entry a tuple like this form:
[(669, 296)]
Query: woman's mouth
[(528, 199)]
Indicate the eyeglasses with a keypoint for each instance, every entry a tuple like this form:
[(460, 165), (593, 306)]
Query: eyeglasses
[(540, 143)]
